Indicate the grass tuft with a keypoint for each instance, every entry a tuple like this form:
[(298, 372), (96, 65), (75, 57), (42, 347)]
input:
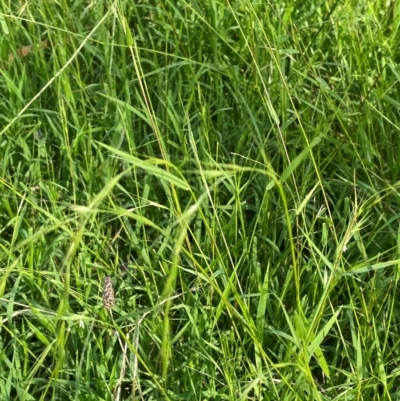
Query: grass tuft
[(232, 167)]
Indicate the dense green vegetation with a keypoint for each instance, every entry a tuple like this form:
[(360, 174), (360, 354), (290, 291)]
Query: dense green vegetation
[(233, 167)]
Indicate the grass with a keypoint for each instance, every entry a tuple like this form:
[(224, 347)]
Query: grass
[(233, 167)]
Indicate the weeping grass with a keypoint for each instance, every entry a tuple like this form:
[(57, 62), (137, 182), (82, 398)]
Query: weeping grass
[(233, 167)]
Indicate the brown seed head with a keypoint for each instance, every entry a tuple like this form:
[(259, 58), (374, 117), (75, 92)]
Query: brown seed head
[(108, 293)]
